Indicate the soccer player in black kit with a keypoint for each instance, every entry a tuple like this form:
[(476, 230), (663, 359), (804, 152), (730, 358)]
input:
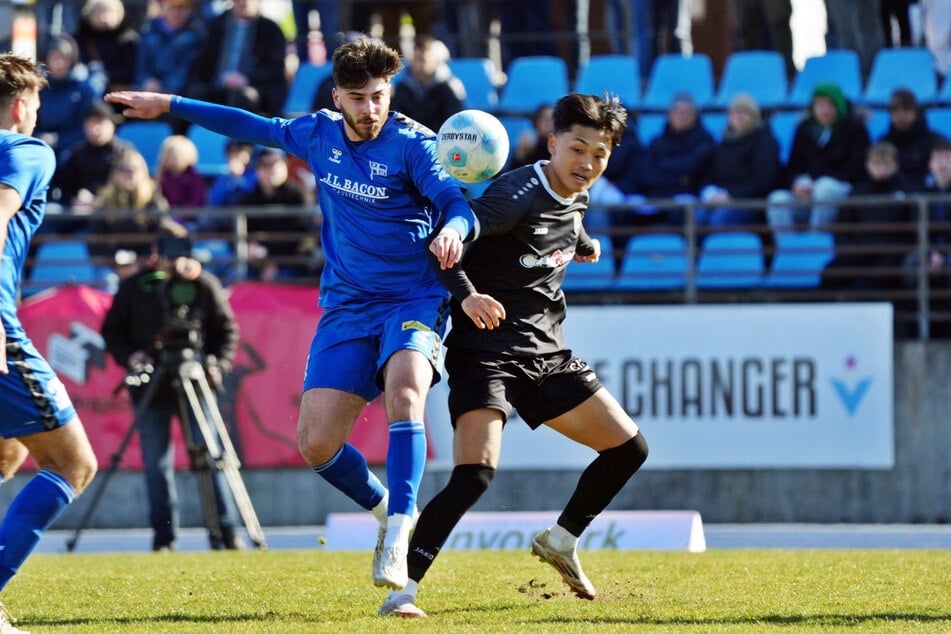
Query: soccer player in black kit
[(506, 348)]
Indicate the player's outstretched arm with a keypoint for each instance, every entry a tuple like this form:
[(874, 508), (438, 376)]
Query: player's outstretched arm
[(141, 105)]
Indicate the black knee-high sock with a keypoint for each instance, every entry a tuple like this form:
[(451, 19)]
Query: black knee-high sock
[(466, 485), (601, 481)]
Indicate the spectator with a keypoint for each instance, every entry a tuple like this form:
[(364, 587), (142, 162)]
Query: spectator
[(429, 93), (897, 9), (87, 164), (108, 46), (909, 132), (938, 181), (328, 20), (130, 189), (871, 247), (227, 189), (532, 145), (527, 29), (655, 27), (180, 183), (67, 97), (826, 160), (678, 159), (764, 25), (169, 43), (745, 165), (936, 24), (275, 257), (242, 61), (855, 25)]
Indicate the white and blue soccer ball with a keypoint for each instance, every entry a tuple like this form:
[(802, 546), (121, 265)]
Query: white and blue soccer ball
[(472, 145)]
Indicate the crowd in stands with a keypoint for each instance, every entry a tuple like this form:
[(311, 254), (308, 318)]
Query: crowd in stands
[(239, 56)]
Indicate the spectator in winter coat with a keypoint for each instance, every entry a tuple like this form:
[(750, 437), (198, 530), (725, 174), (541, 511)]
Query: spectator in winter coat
[(910, 134), (827, 159), (745, 165)]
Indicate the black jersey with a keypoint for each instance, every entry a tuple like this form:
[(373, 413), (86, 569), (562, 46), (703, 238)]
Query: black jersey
[(528, 235)]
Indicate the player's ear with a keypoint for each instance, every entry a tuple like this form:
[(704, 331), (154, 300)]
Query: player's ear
[(336, 98)]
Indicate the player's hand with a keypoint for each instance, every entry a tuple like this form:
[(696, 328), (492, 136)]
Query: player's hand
[(141, 105), (3, 352), (447, 247), (484, 311), (594, 257)]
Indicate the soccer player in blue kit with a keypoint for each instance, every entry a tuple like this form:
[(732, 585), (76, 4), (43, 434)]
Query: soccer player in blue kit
[(382, 192), (36, 415), (507, 350)]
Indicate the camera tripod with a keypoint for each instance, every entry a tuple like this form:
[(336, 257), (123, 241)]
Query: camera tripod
[(196, 400)]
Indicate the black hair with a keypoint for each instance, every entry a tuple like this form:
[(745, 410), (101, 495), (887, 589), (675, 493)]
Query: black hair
[(601, 113)]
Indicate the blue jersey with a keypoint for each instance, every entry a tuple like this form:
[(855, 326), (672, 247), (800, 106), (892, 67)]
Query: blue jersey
[(380, 199), (26, 165)]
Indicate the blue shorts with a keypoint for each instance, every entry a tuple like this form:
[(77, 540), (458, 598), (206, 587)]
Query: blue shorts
[(33, 399), (354, 341)]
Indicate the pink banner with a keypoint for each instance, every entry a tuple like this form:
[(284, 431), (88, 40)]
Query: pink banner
[(262, 394)]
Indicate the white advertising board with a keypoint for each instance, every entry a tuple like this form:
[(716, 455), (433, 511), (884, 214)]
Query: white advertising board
[(782, 386)]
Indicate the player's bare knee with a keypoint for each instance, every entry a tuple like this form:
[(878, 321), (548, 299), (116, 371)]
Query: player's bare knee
[(316, 448), (406, 403)]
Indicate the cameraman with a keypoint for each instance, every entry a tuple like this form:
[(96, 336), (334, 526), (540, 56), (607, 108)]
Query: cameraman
[(168, 306)]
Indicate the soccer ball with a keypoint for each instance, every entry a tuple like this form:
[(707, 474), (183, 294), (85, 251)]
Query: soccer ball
[(472, 145)]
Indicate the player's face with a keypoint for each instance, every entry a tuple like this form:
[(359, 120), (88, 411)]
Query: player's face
[(364, 109), (27, 106), (578, 158)]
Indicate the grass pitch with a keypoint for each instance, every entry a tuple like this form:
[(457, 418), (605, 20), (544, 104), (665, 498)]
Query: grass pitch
[(319, 591)]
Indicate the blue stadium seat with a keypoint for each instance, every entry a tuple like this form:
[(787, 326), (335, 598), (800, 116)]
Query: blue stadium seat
[(784, 127), (477, 74), (649, 125), (515, 126), (910, 67), (212, 155), (59, 263), (300, 95), (939, 120), (592, 276), (533, 81), (216, 255), (799, 259), (761, 74), (147, 137), (877, 123), (715, 123), (944, 95), (673, 73), (840, 66), (616, 74), (653, 261), (732, 259)]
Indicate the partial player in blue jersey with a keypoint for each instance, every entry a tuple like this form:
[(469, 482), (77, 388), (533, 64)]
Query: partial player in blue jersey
[(36, 416), (382, 192)]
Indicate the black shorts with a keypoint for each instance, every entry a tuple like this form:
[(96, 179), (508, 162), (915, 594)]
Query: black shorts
[(539, 388)]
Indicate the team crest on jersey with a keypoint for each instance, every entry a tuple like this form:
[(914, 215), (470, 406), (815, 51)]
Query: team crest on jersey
[(377, 169), (335, 154)]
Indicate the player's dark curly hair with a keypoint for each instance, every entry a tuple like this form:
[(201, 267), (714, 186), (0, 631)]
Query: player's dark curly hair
[(361, 59), (18, 76), (601, 113)]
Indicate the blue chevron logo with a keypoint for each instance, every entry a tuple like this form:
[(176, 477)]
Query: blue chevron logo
[(851, 397)]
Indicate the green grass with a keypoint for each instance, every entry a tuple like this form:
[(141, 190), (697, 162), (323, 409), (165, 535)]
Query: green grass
[(319, 591)]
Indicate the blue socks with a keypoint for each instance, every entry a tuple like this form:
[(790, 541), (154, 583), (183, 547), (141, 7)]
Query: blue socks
[(34, 510), (348, 471), (405, 461)]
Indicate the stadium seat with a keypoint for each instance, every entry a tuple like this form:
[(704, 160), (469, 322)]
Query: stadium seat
[(61, 262), (799, 259), (939, 120), (761, 74), (653, 261), (650, 125), (216, 255), (300, 95), (614, 74), (147, 137), (515, 126), (715, 123), (673, 73), (592, 276), (840, 66), (477, 74), (784, 128), (877, 123), (910, 67), (212, 154), (533, 81), (732, 259), (944, 95)]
